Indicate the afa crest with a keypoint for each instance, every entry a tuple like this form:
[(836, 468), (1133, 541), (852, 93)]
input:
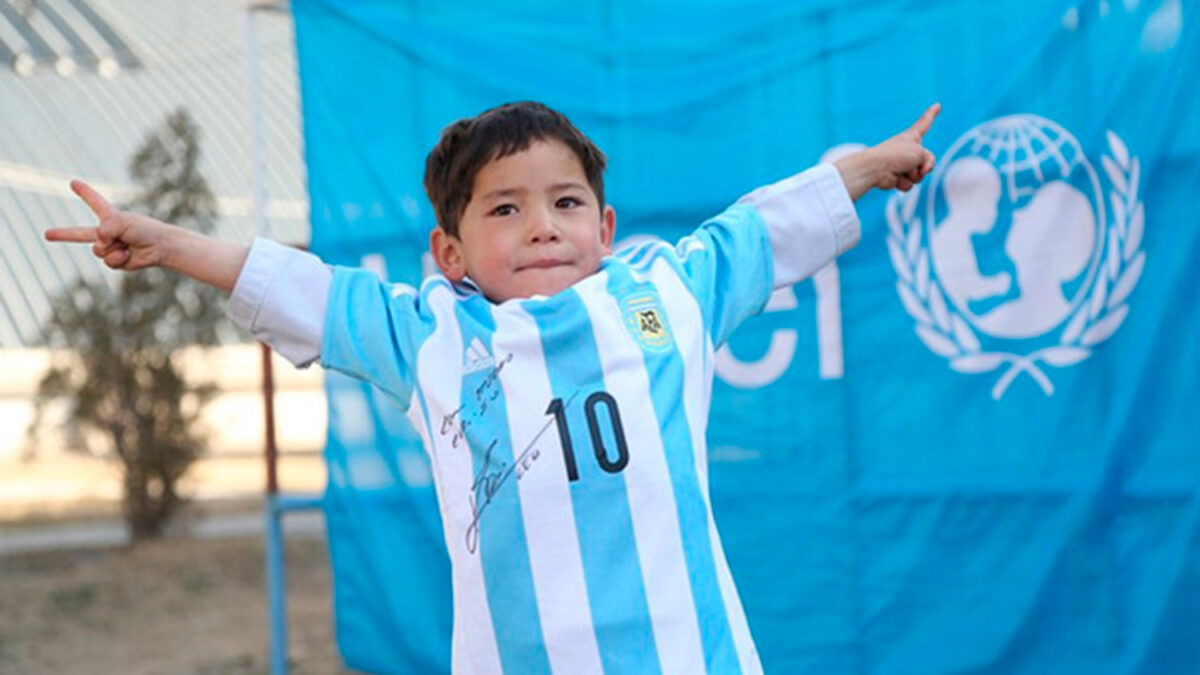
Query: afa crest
[(647, 322)]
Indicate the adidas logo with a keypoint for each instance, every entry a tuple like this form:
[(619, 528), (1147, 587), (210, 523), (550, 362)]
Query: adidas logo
[(477, 358)]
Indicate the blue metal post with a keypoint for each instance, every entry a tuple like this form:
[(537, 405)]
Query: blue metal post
[(275, 505), (276, 605)]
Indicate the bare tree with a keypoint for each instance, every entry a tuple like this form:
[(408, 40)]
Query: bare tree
[(115, 349)]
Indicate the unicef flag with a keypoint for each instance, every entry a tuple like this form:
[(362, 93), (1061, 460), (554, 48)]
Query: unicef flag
[(1054, 278), (970, 444)]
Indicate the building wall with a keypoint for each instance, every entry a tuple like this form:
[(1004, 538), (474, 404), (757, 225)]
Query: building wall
[(52, 479)]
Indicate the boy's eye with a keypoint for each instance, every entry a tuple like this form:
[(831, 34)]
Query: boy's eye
[(503, 210), (568, 202)]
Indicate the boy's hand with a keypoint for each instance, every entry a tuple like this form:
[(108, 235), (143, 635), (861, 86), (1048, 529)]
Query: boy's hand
[(131, 241), (123, 240), (899, 162)]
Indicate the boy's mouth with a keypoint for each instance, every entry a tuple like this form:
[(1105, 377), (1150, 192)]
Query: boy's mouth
[(542, 264)]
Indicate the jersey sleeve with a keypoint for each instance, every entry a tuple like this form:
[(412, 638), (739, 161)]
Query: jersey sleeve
[(280, 297), (726, 264), (810, 220), (370, 331), (348, 319), (775, 236)]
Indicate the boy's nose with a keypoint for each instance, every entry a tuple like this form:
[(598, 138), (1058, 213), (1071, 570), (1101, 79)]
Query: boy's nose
[(543, 230)]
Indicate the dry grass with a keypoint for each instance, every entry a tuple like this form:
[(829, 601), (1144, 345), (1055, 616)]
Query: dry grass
[(179, 607)]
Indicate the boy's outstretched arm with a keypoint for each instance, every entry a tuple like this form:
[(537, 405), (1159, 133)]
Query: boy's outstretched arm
[(899, 162), (131, 241)]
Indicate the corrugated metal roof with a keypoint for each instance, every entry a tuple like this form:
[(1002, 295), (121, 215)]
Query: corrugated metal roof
[(103, 74)]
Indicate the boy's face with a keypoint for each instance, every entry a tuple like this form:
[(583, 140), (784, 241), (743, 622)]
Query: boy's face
[(533, 226)]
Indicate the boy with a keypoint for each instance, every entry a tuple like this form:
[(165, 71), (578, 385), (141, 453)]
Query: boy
[(561, 391)]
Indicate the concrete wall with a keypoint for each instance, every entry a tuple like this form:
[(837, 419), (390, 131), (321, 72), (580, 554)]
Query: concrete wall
[(234, 418)]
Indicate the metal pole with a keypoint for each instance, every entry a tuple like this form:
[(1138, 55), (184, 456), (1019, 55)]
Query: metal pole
[(258, 186), (272, 527), (276, 603), (272, 452)]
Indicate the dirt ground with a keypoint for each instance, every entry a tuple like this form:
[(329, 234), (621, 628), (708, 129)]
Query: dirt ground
[(178, 607)]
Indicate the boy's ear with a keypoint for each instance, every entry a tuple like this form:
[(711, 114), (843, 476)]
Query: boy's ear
[(447, 253), (608, 228)]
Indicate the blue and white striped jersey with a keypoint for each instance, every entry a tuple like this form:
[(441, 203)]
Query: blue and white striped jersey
[(567, 433)]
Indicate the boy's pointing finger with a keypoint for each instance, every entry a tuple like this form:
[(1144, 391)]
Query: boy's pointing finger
[(97, 203), (74, 234), (922, 125)]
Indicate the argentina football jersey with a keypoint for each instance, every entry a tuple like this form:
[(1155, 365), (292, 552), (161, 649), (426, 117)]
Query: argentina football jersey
[(567, 433)]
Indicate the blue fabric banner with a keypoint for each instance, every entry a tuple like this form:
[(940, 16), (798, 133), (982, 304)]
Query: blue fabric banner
[(970, 445)]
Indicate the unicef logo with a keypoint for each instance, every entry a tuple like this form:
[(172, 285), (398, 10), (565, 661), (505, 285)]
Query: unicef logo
[(1007, 257)]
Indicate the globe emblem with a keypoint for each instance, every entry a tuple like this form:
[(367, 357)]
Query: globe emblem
[(1008, 240), (1015, 224)]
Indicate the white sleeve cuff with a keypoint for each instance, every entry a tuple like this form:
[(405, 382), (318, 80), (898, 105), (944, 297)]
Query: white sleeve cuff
[(810, 221), (281, 297)]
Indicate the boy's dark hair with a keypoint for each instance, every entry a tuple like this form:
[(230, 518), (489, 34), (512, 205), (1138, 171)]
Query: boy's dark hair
[(468, 144)]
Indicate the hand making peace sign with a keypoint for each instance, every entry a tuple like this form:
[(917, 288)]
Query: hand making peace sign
[(131, 241), (123, 240)]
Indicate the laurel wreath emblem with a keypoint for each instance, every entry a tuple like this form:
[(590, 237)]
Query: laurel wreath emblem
[(945, 332)]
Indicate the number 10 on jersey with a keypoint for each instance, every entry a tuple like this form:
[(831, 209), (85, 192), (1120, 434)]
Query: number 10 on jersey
[(558, 409)]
